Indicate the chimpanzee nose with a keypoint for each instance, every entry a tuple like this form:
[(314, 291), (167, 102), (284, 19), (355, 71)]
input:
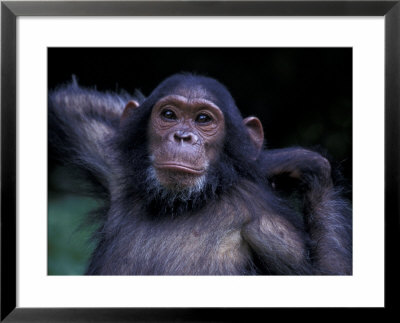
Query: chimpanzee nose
[(185, 136)]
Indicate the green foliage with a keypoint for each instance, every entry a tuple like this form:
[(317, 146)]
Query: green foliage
[(69, 247)]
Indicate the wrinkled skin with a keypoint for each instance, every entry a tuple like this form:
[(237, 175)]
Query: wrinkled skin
[(185, 137)]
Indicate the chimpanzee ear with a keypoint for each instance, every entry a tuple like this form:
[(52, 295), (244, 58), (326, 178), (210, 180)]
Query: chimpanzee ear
[(130, 106), (256, 132)]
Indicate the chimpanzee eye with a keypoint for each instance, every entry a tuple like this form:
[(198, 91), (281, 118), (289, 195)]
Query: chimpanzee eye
[(203, 118), (168, 114)]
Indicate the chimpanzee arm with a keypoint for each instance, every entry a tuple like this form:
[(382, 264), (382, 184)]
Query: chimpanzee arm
[(326, 214), (278, 246), (81, 122), (328, 218)]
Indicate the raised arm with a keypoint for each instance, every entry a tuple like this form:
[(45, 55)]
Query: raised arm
[(81, 122), (326, 214)]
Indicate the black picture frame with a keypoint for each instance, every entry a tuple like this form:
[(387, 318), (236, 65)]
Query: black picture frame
[(10, 10)]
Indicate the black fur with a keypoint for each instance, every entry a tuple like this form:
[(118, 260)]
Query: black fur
[(236, 224)]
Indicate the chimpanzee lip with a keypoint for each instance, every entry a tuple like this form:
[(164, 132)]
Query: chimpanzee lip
[(179, 167)]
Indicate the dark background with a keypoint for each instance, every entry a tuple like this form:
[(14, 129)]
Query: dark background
[(303, 97)]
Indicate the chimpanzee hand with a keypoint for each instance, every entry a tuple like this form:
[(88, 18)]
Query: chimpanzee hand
[(299, 164)]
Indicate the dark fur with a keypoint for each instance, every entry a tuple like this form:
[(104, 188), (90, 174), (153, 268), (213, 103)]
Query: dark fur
[(236, 225)]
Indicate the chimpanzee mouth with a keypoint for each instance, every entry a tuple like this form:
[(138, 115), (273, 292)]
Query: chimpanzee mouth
[(179, 168)]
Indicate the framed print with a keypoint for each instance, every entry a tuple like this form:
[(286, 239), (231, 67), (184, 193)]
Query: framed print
[(322, 75)]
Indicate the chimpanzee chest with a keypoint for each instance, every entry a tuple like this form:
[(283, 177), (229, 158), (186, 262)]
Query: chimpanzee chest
[(185, 247)]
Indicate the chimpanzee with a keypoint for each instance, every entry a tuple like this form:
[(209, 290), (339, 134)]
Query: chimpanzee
[(189, 190)]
